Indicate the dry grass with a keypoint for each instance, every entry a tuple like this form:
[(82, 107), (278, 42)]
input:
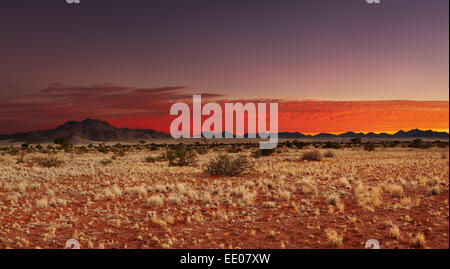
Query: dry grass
[(280, 203), (334, 239), (394, 232), (418, 241)]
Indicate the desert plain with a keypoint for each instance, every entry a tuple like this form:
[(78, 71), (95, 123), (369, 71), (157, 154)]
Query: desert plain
[(130, 196)]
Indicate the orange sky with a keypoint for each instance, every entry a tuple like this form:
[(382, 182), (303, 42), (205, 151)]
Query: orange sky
[(149, 108)]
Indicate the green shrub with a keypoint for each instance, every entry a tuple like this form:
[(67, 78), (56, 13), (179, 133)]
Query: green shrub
[(313, 155), (224, 165)]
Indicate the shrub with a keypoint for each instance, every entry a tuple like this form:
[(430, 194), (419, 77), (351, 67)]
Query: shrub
[(395, 190), (329, 145), (418, 241), (369, 147), (234, 149), (82, 149), (106, 162), (119, 152), (181, 155), (313, 155), (201, 150), (299, 144), (13, 151), (156, 200), (224, 165), (334, 239), (333, 199), (103, 149), (150, 159), (262, 152), (329, 154)]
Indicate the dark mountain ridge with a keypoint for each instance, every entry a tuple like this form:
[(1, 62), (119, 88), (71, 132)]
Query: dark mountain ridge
[(97, 130), (88, 129)]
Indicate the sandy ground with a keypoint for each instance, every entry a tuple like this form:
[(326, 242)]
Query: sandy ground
[(398, 196)]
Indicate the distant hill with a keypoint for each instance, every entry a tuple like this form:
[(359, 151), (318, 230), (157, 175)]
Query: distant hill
[(88, 129), (97, 130), (414, 133)]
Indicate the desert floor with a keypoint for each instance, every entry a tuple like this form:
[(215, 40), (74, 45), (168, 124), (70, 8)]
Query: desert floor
[(398, 196)]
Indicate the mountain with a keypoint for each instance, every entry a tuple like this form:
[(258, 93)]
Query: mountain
[(97, 130), (414, 133), (88, 129)]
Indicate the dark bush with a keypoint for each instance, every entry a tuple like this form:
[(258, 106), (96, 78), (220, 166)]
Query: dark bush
[(331, 145), (356, 140), (48, 162), (262, 152), (202, 150), (329, 154), (369, 147), (103, 149), (181, 155), (299, 144), (234, 149), (106, 162)]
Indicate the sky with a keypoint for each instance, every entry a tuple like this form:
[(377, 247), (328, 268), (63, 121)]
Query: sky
[(333, 66)]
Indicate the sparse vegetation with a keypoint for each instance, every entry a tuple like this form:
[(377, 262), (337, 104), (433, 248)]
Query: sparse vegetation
[(369, 147), (181, 155), (134, 193), (48, 161), (262, 152), (224, 165), (334, 239)]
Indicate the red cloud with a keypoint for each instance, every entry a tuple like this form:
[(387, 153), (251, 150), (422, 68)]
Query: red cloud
[(149, 108)]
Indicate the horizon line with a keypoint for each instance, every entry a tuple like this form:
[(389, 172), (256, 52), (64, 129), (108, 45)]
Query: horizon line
[(365, 132)]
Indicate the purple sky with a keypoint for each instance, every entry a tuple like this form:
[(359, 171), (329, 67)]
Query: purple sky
[(321, 49), (290, 50)]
